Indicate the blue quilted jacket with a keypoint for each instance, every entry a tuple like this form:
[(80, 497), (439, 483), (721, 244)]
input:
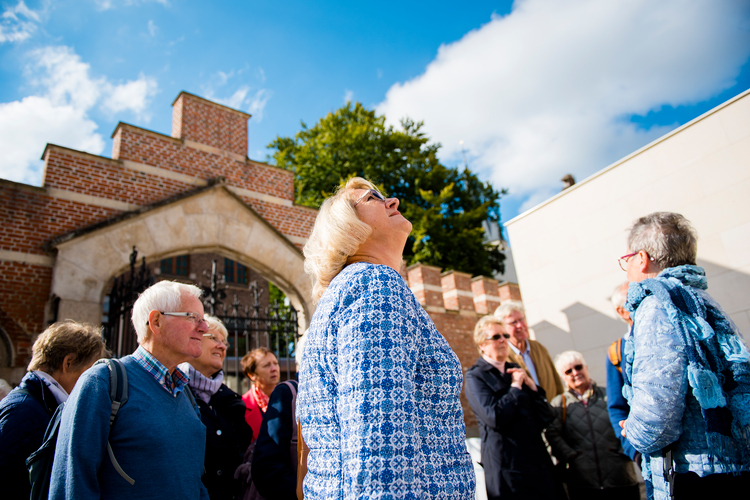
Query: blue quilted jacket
[(379, 394), (663, 409), (23, 420)]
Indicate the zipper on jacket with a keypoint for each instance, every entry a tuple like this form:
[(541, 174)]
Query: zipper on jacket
[(596, 453)]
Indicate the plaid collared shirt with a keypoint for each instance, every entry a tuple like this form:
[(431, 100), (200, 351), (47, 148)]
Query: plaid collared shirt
[(173, 384)]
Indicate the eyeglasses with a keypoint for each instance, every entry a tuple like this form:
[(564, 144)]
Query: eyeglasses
[(623, 261), (498, 336), (370, 192), (197, 320), (216, 340), (577, 368)]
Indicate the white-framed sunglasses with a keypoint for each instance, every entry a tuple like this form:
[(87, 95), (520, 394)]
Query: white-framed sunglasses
[(370, 192)]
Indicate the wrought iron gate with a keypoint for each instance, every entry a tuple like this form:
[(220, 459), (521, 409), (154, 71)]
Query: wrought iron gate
[(251, 326), (119, 333)]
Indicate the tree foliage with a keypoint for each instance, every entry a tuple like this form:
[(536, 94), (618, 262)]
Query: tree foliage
[(445, 205)]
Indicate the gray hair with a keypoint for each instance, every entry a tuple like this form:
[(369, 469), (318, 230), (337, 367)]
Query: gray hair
[(508, 308), (567, 358), (667, 237), (336, 235), (162, 296), (216, 325), (619, 296)]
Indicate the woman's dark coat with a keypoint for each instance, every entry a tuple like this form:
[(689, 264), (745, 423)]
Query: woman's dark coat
[(515, 460), (24, 415), (274, 460), (227, 438), (588, 444)]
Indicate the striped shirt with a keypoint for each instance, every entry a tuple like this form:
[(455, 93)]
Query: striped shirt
[(173, 384)]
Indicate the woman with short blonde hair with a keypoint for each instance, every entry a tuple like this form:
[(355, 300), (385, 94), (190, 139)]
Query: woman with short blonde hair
[(379, 386)]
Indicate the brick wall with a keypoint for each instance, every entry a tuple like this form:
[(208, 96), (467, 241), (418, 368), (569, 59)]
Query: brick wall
[(455, 301), (79, 189)]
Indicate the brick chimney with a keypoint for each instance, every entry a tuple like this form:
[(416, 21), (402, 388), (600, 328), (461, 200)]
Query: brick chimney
[(424, 281), (486, 296), (457, 292), (199, 120)]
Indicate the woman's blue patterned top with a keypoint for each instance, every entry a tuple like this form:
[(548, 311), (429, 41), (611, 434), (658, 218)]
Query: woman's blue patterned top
[(379, 395)]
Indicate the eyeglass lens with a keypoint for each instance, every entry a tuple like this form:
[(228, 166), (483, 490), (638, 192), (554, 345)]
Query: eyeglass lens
[(498, 336), (577, 368)]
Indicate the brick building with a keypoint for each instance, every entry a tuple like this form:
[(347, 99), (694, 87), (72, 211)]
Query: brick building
[(182, 200), (194, 192)]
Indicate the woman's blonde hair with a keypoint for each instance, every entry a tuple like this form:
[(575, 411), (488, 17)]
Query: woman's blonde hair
[(483, 324), (336, 236)]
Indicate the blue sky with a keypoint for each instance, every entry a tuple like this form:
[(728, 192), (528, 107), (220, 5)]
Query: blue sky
[(535, 89)]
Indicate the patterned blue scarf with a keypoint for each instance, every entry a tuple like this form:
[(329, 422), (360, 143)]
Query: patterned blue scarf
[(717, 358)]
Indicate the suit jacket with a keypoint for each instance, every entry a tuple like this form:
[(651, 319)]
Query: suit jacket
[(515, 460), (545, 368)]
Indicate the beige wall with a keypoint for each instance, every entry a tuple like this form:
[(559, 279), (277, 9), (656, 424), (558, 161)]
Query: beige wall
[(566, 249)]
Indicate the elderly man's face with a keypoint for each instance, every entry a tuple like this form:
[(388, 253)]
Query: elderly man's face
[(515, 325), (181, 336)]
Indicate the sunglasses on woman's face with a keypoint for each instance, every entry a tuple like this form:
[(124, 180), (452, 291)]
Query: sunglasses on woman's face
[(368, 194), (577, 368), (498, 336)]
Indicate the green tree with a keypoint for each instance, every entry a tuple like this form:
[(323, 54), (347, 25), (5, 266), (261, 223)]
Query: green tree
[(446, 206)]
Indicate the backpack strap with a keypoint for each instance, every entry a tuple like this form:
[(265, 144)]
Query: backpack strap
[(614, 353), (118, 393)]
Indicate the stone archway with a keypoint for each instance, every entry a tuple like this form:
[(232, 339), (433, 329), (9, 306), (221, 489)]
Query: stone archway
[(211, 220)]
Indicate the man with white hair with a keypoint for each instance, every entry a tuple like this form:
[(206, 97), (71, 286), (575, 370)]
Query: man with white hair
[(528, 353), (157, 438), (617, 406)]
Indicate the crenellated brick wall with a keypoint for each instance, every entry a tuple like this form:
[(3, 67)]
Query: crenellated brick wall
[(455, 301)]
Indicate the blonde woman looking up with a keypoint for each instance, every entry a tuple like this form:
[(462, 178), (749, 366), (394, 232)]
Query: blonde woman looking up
[(379, 385)]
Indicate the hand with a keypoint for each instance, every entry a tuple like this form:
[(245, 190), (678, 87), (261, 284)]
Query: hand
[(622, 424), (530, 382), (518, 377)]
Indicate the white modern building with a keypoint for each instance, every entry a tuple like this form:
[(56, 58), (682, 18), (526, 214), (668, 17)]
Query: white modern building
[(566, 249)]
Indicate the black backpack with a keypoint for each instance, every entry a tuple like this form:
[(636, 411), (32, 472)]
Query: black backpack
[(40, 462)]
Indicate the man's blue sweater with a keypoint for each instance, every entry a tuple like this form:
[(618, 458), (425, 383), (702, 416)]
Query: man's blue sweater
[(158, 440)]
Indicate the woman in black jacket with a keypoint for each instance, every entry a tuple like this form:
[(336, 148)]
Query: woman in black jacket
[(60, 355), (511, 413), (222, 412), (582, 437)]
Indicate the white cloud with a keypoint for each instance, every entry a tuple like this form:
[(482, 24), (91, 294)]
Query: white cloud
[(258, 104), (111, 4), (548, 89), (58, 114), (27, 125), (348, 96), (241, 98), (152, 28), (18, 23), (236, 100)]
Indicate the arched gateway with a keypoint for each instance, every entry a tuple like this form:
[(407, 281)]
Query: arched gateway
[(211, 219)]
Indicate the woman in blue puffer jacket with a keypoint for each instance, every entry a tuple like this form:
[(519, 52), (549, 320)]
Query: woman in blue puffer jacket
[(687, 368), (60, 355)]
